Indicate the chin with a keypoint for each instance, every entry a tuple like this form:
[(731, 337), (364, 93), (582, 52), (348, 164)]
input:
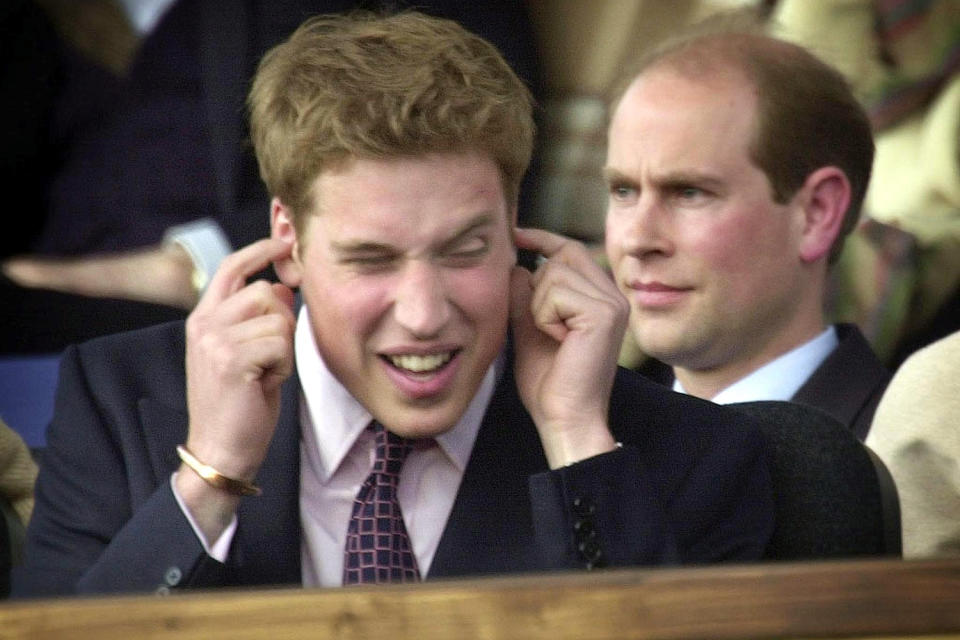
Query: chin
[(661, 341), (425, 423), (415, 431)]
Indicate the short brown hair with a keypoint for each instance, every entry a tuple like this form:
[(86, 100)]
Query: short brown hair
[(807, 115), (365, 85)]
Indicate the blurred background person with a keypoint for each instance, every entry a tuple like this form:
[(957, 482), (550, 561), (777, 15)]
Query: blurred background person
[(915, 432), (153, 180)]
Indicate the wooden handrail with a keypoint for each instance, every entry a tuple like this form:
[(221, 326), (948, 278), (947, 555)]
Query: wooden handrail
[(866, 598)]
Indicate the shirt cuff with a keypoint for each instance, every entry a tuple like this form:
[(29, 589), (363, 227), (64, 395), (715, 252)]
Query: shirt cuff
[(205, 243), (220, 549)]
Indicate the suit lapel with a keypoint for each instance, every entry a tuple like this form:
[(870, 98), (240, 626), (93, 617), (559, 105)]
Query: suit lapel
[(270, 524), (844, 396), (491, 516)]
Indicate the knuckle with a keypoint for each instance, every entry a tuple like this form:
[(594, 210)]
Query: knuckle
[(280, 325), (210, 343), (260, 289), (196, 326)]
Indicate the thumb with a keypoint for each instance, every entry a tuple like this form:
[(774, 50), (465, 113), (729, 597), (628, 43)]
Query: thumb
[(521, 292), (530, 343), (524, 332)]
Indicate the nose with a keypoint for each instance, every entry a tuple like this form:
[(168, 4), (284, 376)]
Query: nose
[(422, 304), (640, 230)]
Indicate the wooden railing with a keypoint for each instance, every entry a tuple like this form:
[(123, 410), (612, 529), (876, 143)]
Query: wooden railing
[(861, 599)]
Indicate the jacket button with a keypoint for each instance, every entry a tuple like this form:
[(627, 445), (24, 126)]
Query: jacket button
[(583, 507), (173, 576), (590, 550), (584, 529)]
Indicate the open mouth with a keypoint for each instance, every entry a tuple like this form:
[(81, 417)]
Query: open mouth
[(420, 364)]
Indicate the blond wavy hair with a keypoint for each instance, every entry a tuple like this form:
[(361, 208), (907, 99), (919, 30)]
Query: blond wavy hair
[(365, 85)]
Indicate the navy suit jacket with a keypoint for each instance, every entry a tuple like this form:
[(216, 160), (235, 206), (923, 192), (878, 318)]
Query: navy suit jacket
[(689, 485), (849, 383)]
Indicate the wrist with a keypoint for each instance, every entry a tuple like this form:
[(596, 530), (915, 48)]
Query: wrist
[(209, 510), (173, 279), (569, 446), (215, 478), (205, 244)]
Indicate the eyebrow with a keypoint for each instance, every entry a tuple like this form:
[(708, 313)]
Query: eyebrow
[(484, 219), (673, 178), (698, 178), (612, 176)]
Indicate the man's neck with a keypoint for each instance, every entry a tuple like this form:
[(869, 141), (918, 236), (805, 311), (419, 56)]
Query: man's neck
[(707, 382)]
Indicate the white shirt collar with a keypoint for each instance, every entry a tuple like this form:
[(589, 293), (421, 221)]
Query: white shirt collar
[(145, 14), (779, 379), (336, 419)]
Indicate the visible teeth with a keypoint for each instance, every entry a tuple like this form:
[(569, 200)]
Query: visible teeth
[(421, 363)]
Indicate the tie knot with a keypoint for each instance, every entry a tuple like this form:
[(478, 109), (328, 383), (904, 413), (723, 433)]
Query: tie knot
[(391, 450)]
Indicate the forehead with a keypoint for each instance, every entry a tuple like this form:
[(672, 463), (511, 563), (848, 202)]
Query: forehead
[(694, 112), (408, 197)]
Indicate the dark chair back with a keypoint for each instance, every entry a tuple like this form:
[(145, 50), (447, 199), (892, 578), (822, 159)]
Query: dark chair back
[(834, 498)]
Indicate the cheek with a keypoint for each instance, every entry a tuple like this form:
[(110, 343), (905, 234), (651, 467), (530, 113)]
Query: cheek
[(336, 303), (613, 231), (482, 294), (721, 249), (758, 245), (732, 242), (745, 261)]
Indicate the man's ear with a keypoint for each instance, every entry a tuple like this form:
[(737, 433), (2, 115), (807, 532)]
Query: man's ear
[(825, 197), (289, 270)]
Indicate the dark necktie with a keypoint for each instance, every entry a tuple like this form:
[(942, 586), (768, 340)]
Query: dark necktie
[(378, 548)]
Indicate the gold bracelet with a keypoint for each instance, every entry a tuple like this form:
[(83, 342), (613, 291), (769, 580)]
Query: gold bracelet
[(216, 479)]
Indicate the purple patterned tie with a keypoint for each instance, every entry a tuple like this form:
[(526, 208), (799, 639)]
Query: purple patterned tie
[(378, 548)]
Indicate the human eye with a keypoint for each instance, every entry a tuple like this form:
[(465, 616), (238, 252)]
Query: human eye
[(467, 251), (689, 194), (622, 191), (369, 262)]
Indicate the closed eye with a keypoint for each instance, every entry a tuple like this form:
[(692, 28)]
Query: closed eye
[(466, 251), (370, 261)]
